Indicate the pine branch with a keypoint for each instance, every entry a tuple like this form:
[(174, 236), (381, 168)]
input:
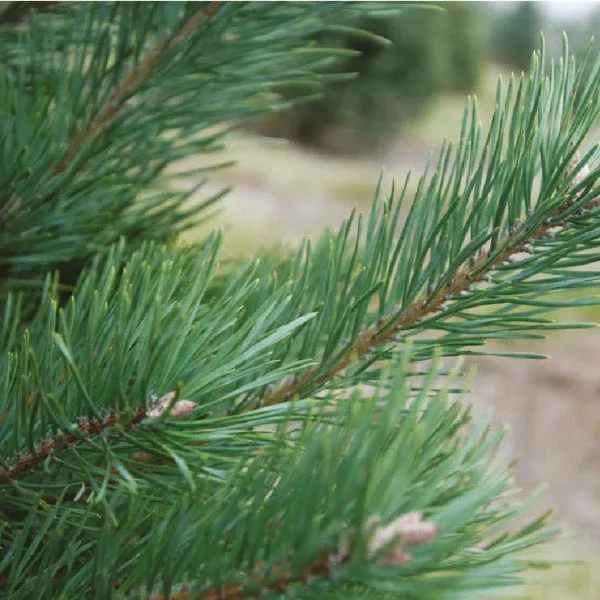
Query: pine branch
[(119, 95), (240, 517), (387, 544), (518, 241), (28, 463), (102, 112), (221, 491), (278, 581), (169, 405), (131, 553)]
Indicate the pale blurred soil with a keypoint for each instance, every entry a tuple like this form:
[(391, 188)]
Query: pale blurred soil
[(553, 410)]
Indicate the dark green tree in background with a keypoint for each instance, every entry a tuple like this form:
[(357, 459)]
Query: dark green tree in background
[(177, 426), (516, 34), (465, 26), (432, 50)]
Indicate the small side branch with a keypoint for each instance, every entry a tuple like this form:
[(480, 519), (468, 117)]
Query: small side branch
[(387, 546), (385, 330), (30, 462), (169, 404), (119, 94)]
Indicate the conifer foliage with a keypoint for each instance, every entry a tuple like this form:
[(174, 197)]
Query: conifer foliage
[(175, 426)]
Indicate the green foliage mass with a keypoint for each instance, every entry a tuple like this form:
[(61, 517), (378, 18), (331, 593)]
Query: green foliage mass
[(175, 426), (87, 108)]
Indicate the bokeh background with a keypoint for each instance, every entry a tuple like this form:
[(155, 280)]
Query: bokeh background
[(305, 169)]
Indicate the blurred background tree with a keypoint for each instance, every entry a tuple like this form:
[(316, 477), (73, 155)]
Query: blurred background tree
[(431, 51), (516, 34), (446, 49)]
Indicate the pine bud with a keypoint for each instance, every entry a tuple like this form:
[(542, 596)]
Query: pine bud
[(179, 409), (407, 530), (182, 408)]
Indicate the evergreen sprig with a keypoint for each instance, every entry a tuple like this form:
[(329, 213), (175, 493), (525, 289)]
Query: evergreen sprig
[(179, 429), (281, 521), (99, 95)]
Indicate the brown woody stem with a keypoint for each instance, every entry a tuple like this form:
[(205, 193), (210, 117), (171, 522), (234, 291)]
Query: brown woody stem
[(30, 462), (278, 580), (119, 94)]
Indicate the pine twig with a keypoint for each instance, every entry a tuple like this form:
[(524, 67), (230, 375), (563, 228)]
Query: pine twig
[(387, 544), (169, 403), (385, 330), (279, 582), (117, 97), (30, 462)]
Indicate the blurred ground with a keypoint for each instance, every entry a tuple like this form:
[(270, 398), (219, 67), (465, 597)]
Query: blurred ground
[(282, 193)]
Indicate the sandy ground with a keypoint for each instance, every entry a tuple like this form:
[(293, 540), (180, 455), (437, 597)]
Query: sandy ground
[(553, 410)]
